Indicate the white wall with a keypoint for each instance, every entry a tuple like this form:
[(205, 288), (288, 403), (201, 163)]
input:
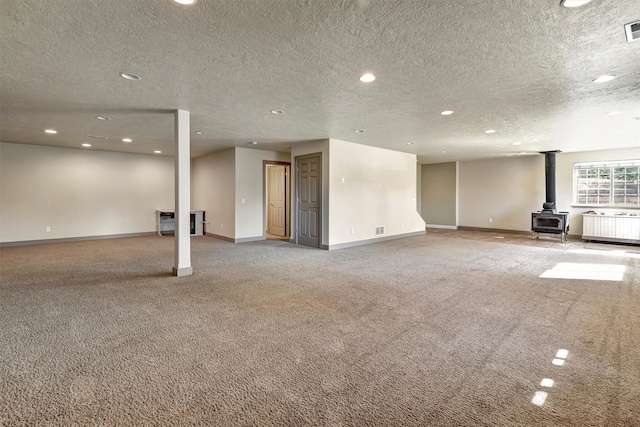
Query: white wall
[(508, 190), (213, 190), (379, 189), (80, 193), (250, 185), (564, 180), (438, 191)]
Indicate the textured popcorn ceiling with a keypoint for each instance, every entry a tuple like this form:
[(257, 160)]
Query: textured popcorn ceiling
[(522, 67)]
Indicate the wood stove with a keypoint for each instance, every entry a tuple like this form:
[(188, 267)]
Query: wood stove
[(549, 220)]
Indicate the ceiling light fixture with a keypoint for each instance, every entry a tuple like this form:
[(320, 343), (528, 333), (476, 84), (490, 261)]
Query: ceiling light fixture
[(199, 132), (604, 79), (516, 143), (447, 113), (158, 152), (367, 78), (186, 2), (86, 145), (277, 112), (490, 131), (51, 131), (360, 131), (254, 143), (105, 118), (130, 76), (410, 143), (127, 140), (614, 113), (573, 3)]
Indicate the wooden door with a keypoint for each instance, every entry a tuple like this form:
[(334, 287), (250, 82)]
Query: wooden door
[(309, 200), (277, 200)]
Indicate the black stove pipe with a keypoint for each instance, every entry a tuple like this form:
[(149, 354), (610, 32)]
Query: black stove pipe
[(550, 179)]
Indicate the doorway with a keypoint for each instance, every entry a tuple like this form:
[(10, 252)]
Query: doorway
[(309, 200), (277, 205)]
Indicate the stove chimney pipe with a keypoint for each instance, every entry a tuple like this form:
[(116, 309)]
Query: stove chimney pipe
[(550, 179)]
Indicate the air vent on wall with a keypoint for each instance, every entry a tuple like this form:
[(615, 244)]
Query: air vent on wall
[(633, 31), (379, 230)]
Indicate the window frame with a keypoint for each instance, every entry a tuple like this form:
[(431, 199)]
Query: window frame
[(598, 169)]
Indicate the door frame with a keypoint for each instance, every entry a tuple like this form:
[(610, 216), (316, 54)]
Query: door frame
[(287, 195), (320, 199)]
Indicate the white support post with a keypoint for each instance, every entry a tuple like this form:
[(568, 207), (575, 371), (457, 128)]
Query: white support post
[(182, 265)]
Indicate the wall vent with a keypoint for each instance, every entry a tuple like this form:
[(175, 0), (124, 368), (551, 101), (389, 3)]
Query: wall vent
[(379, 230), (633, 31)]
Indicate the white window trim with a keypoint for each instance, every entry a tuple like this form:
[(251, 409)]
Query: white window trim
[(607, 164)]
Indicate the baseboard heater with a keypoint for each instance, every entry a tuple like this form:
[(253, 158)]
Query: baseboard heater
[(622, 228)]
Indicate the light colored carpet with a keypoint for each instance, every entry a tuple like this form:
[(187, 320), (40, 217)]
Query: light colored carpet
[(428, 330)]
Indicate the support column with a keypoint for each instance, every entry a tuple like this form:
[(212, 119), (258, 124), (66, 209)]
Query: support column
[(182, 265)]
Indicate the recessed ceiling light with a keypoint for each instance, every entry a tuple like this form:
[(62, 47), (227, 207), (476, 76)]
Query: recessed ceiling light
[(516, 143), (254, 143), (573, 3), (130, 76), (127, 140), (158, 152), (614, 113), (105, 118), (277, 112), (186, 2), (447, 113), (51, 131), (443, 151), (86, 145), (199, 132), (410, 143), (603, 79), (367, 78), (360, 131), (490, 131)]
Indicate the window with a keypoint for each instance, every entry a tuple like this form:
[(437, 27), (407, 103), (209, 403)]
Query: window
[(607, 184)]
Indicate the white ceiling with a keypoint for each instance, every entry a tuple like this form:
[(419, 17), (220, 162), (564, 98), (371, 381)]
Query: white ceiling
[(522, 67)]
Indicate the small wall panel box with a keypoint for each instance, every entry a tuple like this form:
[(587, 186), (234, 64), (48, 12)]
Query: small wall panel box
[(165, 222), (611, 228)]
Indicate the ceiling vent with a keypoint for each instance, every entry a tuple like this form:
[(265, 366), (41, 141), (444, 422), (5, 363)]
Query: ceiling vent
[(633, 31)]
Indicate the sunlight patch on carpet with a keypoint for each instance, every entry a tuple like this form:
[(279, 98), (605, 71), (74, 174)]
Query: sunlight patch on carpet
[(570, 270), (601, 252), (539, 398)]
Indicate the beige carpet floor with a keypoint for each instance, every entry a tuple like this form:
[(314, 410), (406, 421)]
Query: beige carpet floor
[(436, 330)]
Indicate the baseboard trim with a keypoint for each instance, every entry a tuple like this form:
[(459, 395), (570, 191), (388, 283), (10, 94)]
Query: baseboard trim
[(375, 240), (527, 232), (240, 240), (76, 239), (446, 227), (494, 230)]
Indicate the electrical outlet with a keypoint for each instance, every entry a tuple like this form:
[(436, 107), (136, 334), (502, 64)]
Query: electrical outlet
[(243, 201), (353, 230), (47, 229), (221, 226), (490, 219)]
